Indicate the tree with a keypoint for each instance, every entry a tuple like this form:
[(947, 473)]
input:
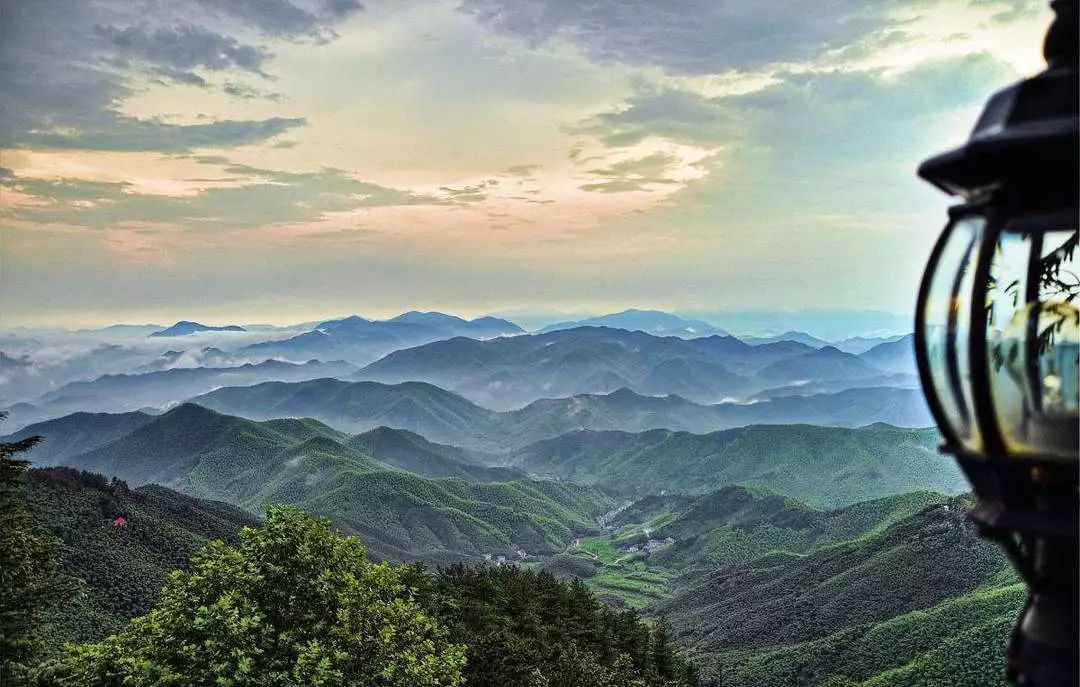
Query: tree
[(295, 604), (30, 582)]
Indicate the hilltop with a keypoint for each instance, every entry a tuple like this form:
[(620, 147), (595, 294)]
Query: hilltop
[(185, 327)]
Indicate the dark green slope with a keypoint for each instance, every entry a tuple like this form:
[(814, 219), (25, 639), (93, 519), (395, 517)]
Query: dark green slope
[(122, 568), (410, 451), (823, 466), (77, 433), (914, 564), (957, 643), (402, 516)]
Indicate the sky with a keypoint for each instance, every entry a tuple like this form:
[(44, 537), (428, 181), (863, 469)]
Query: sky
[(286, 160)]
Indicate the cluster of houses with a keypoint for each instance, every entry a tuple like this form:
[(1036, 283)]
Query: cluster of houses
[(649, 546), (518, 556)]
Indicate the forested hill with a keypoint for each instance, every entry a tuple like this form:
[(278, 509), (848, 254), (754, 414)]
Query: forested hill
[(461, 513), (122, 566), (823, 466), (881, 607)]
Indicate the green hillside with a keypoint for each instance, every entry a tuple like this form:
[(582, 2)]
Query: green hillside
[(409, 451), (957, 643), (822, 466), (401, 514), (736, 525), (858, 608), (121, 568)]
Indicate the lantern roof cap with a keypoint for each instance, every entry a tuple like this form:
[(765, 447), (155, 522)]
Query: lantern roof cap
[(1027, 131)]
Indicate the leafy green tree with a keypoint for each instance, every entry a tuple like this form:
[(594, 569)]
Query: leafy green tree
[(295, 604), (528, 629), (29, 579)]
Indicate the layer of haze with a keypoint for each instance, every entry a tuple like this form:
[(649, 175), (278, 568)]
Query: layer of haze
[(288, 159)]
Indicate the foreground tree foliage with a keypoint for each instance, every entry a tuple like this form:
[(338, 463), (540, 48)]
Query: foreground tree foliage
[(30, 582), (528, 629), (295, 604)]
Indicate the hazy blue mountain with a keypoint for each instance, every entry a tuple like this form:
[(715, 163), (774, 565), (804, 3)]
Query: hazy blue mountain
[(24, 377), (653, 322), (361, 341), (896, 380), (77, 433), (830, 325), (448, 418), (800, 337), (823, 466), (894, 356), (124, 392), (185, 327), (862, 344), (400, 514), (434, 413), (828, 363), (510, 372)]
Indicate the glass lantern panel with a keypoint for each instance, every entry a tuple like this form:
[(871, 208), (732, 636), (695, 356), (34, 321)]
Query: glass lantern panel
[(947, 314), (1034, 342)]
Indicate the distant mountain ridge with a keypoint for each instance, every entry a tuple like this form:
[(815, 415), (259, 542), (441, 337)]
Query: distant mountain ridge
[(653, 322), (185, 327), (160, 388), (361, 341), (446, 417), (509, 372)]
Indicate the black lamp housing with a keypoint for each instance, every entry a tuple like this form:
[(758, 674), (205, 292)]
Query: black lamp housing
[(998, 341)]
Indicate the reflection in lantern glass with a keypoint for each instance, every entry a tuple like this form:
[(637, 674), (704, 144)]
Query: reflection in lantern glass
[(947, 316), (1034, 342)]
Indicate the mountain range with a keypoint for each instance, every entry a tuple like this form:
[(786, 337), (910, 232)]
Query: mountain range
[(402, 514), (125, 392), (360, 341), (250, 463), (507, 373), (823, 466), (443, 416)]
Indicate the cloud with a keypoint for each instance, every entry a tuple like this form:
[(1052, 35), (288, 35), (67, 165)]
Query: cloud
[(470, 194), (521, 171), (635, 174), (687, 36), (66, 68), (182, 47), (808, 117), (284, 18), (271, 197)]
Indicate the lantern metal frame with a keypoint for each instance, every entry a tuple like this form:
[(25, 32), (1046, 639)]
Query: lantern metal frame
[(1019, 174)]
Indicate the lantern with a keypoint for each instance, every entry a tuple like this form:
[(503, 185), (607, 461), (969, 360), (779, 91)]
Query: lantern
[(998, 341)]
